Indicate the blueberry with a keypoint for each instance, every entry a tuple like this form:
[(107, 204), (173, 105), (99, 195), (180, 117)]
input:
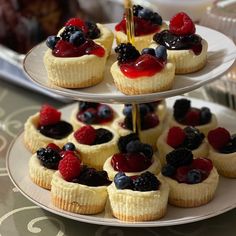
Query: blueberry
[(147, 150), (103, 136), (105, 112), (88, 117), (124, 140), (150, 51), (93, 30), (77, 38), (134, 146), (122, 181), (127, 110), (145, 14), (144, 109), (194, 176), (156, 18), (52, 41), (168, 170), (161, 52), (205, 115), (69, 147)]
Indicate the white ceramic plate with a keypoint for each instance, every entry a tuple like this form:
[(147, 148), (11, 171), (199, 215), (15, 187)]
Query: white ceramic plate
[(17, 165), (220, 59)]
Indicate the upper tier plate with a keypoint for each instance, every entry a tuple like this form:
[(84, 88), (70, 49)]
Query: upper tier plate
[(220, 57)]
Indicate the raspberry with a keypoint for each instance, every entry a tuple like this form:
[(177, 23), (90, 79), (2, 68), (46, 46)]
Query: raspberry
[(54, 147), (69, 167), (49, 115), (218, 138), (192, 117), (181, 24), (175, 137), (78, 23), (181, 174), (85, 135), (202, 164)]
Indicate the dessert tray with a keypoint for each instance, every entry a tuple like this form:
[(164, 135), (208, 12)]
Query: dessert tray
[(224, 199), (220, 58)]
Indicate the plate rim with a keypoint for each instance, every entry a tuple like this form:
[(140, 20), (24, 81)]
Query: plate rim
[(91, 219)]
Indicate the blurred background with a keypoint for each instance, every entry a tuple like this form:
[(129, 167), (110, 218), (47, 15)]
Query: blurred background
[(25, 23)]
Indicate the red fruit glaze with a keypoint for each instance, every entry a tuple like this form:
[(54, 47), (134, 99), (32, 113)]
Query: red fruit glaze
[(218, 137), (145, 65), (202, 164), (181, 174), (54, 147), (181, 24), (48, 115), (69, 167), (66, 49), (175, 137), (130, 162), (77, 22), (192, 117), (85, 135), (141, 26)]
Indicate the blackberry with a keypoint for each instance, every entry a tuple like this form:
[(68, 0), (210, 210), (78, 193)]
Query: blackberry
[(179, 157), (126, 52), (136, 9), (146, 182), (85, 105), (168, 170), (93, 30), (68, 31), (205, 115), (102, 136), (122, 181), (193, 138), (49, 158), (124, 140), (181, 107), (92, 177)]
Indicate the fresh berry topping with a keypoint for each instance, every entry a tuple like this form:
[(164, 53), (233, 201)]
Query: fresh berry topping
[(69, 167), (49, 115), (194, 176), (78, 23), (179, 157), (69, 147), (130, 162), (192, 118), (85, 105), (124, 140), (92, 177), (202, 164), (126, 52), (175, 137), (181, 107), (161, 52), (143, 109), (77, 38), (168, 170), (104, 112), (56, 131), (146, 182), (54, 147), (181, 24), (49, 157), (230, 147), (135, 146), (127, 110), (149, 121), (205, 115), (136, 9), (52, 41), (193, 138), (147, 150), (218, 138), (128, 123), (93, 30), (122, 181), (68, 31), (149, 15), (181, 174), (102, 136), (149, 51), (85, 135), (89, 116)]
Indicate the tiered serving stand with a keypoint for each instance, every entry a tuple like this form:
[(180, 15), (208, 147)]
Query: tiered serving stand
[(218, 63)]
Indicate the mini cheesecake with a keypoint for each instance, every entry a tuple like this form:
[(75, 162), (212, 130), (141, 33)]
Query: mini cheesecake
[(176, 137), (46, 127), (146, 24), (187, 50), (138, 198)]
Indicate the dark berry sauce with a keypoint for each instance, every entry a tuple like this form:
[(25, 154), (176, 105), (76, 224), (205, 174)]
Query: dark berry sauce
[(177, 42), (66, 49), (145, 65), (141, 26), (130, 162), (59, 130)]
